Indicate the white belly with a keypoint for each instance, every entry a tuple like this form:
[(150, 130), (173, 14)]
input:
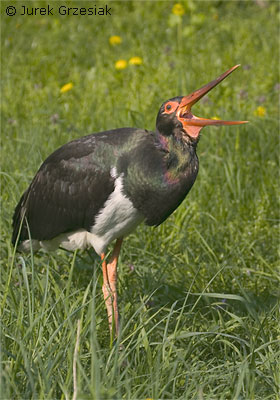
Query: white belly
[(116, 219)]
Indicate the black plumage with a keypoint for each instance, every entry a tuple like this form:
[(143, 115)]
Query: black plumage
[(73, 183)]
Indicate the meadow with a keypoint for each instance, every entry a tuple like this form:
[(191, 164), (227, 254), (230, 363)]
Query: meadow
[(199, 295)]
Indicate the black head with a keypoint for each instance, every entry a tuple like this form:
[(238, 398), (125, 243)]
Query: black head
[(176, 119), (168, 122)]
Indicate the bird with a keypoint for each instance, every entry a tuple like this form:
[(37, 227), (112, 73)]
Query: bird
[(97, 189)]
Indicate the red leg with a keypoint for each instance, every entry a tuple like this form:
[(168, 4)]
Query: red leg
[(109, 287)]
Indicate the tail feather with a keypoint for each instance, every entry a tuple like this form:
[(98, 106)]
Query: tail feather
[(19, 227)]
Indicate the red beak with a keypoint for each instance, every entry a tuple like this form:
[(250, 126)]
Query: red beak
[(193, 124)]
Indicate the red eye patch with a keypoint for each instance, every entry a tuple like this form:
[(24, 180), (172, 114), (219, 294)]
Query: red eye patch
[(170, 107)]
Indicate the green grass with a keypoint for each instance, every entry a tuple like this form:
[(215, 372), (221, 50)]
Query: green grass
[(199, 295)]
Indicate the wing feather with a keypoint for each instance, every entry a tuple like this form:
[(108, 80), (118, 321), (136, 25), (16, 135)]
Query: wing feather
[(66, 193)]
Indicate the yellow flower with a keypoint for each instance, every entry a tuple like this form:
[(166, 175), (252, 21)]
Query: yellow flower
[(66, 87), (115, 40), (135, 61), (178, 9), (260, 111), (215, 117), (121, 64)]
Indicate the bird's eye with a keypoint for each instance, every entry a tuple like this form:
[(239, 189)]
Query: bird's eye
[(170, 107)]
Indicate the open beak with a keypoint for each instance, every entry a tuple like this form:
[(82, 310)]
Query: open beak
[(193, 124)]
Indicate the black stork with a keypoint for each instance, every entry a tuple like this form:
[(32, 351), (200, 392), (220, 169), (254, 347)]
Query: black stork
[(98, 188)]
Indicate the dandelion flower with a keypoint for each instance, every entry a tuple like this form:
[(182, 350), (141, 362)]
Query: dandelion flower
[(178, 9), (115, 40), (260, 111), (135, 61), (121, 64), (67, 87)]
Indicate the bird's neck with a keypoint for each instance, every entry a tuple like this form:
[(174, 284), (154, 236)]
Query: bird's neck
[(180, 154)]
